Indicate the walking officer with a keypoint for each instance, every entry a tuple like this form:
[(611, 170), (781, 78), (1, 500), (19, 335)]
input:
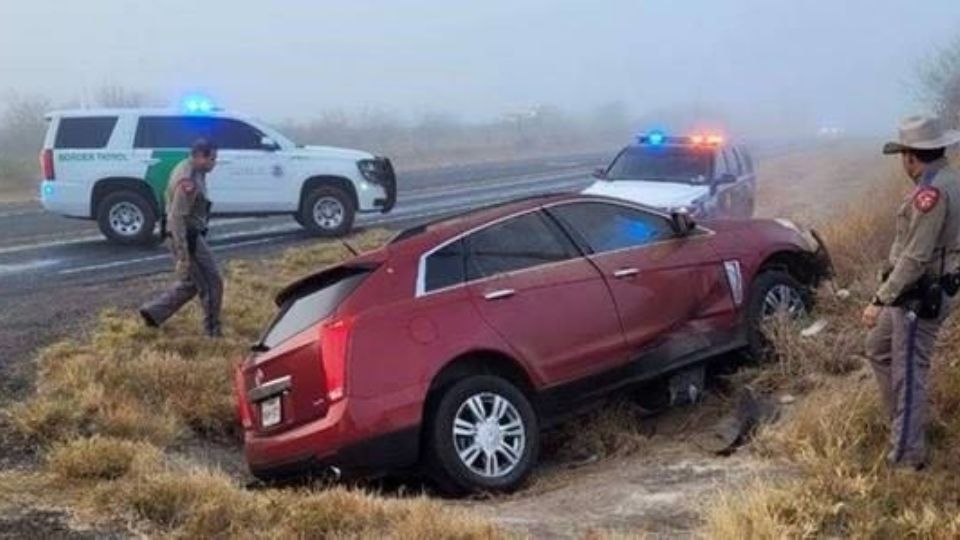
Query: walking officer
[(188, 210), (913, 299)]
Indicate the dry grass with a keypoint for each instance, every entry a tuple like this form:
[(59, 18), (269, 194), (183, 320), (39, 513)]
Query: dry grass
[(837, 435), (107, 407)]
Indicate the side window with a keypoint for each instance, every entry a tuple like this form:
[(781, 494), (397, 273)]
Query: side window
[(170, 131), (235, 135), (608, 227), (84, 132), (721, 164), (747, 161), (736, 162), (182, 131), (445, 267), (518, 243)]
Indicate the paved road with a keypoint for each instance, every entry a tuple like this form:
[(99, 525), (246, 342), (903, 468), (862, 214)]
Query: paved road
[(39, 250)]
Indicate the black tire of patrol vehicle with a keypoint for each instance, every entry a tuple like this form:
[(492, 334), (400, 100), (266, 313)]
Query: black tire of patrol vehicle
[(443, 464), (144, 235), (308, 220), (759, 347)]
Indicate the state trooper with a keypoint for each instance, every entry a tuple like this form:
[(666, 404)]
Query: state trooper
[(188, 211), (913, 300)]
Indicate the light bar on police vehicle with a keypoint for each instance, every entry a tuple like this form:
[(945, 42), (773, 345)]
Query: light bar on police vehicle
[(658, 138)]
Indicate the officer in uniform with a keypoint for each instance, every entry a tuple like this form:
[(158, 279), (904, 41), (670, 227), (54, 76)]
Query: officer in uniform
[(913, 300), (188, 210)]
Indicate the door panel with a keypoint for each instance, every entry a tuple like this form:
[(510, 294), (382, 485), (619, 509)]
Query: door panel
[(532, 286), (246, 181), (560, 318), (661, 283)]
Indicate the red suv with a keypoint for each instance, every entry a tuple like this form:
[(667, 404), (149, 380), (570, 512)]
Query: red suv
[(455, 344)]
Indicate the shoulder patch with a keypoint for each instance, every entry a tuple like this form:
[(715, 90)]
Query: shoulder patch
[(926, 199), (187, 186)]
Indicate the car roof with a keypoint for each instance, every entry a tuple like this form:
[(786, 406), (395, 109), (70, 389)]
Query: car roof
[(137, 111), (448, 227)]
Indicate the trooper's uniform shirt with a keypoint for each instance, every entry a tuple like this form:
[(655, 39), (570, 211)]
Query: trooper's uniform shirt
[(901, 345), (188, 212)]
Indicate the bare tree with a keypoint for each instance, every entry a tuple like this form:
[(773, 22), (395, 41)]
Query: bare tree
[(22, 125), (940, 83)]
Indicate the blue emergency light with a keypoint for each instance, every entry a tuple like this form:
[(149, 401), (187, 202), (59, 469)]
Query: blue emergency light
[(655, 138), (197, 104)]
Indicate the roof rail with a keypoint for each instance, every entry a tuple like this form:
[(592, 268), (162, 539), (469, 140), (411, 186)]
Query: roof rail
[(422, 228)]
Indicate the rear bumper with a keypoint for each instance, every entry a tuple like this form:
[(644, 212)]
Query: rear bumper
[(318, 449), (65, 198), (331, 443)]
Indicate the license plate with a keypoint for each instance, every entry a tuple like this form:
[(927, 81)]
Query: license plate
[(270, 412)]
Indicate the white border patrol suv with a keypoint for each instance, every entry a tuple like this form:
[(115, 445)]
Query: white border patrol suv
[(113, 165), (698, 174)]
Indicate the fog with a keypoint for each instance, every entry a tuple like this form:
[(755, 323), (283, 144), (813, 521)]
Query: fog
[(765, 65)]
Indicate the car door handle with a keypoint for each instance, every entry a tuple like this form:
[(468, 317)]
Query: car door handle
[(151, 161), (625, 272), (500, 294), (224, 161)]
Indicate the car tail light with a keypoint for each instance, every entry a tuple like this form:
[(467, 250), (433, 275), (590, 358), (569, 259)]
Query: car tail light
[(243, 407), (46, 164), (334, 338)]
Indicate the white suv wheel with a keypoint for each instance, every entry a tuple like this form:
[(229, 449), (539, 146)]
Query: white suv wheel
[(126, 219)]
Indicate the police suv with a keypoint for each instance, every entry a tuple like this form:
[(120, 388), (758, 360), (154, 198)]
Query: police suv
[(698, 174), (113, 165)]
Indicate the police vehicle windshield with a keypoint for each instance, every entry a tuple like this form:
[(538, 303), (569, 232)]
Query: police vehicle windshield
[(662, 163)]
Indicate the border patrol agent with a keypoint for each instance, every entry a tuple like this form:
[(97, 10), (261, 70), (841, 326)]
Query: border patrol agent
[(913, 300), (188, 211)]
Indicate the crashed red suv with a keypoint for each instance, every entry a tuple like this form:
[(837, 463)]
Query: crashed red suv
[(455, 344)]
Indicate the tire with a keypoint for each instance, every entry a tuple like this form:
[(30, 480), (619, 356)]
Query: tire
[(443, 449), (127, 217), (776, 283), (327, 211)]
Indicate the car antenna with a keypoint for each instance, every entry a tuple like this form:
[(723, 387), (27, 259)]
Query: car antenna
[(350, 248)]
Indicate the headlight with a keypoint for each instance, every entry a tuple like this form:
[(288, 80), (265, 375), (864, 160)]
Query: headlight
[(370, 169)]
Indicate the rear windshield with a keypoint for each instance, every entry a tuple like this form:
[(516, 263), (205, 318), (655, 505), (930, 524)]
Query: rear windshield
[(85, 132), (312, 304), (662, 163)]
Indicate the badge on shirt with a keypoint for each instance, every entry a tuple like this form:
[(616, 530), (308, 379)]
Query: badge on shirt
[(926, 198), (187, 186)]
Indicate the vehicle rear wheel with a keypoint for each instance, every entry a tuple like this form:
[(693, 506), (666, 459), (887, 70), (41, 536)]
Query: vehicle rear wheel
[(126, 217), (327, 211), (484, 436), (774, 293)]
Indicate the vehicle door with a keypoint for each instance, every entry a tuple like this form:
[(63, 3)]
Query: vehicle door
[(249, 173), (549, 303), (661, 282), (732, 190), (241, 180)]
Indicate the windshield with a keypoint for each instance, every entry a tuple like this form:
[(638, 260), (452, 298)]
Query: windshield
[(662, 163)]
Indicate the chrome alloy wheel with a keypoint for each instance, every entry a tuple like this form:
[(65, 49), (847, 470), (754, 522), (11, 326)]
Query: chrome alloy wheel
[(489, 435), (783, 299)]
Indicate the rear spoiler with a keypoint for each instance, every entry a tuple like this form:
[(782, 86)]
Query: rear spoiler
[(323, 278)]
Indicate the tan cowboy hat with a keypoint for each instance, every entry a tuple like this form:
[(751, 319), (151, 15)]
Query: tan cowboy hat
[(922, 133)]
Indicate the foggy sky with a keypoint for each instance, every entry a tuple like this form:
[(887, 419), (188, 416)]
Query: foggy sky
[(769, 62)]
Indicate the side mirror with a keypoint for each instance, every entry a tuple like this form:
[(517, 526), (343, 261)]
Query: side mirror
[(600, 173), (683, 224), (269, 144)]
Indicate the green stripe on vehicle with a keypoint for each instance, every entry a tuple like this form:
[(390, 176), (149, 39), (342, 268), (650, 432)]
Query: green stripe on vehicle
[(158, 174)]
